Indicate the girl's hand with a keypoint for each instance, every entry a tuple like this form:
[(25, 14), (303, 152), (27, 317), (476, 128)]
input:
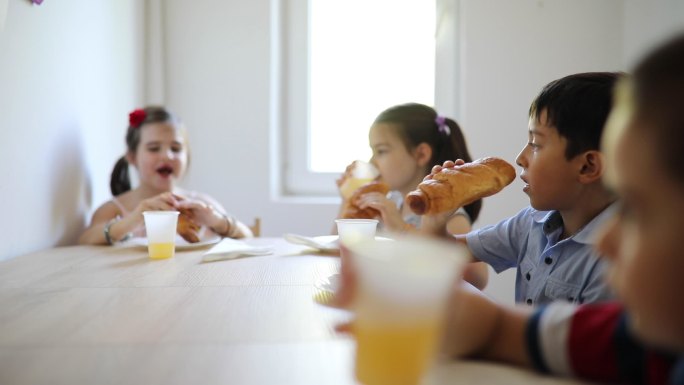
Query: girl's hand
[(347, 175), (202, 213), (162, 202), (389, 214)]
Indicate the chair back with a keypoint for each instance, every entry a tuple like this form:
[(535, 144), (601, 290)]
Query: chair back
[(256, 227)]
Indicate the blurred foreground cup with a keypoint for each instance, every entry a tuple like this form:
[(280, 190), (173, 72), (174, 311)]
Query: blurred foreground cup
[(161, 233), (400, 306)]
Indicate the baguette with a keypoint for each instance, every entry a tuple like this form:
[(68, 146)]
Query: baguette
[(456, 187), (353, 211)]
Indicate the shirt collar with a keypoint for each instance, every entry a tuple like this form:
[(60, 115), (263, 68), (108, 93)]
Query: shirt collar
[(552, 221)]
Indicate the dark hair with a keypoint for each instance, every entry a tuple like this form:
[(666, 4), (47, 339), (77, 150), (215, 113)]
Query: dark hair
[(659, 103), (417, 123), (577, 106), (120, 181)]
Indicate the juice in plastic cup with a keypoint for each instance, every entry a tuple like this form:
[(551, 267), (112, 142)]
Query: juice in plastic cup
[(363, 173), (400, 304), (161, 233)]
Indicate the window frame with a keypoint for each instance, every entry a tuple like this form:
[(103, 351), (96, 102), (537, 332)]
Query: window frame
[(290, 100)]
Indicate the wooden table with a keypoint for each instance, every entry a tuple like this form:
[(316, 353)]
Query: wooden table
[(107, 315)]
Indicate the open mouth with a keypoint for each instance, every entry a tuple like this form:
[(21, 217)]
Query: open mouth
[(165, 171)]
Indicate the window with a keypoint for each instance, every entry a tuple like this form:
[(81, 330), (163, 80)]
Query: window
[(341, 64)]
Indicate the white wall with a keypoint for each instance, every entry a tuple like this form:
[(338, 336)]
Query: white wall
[(69, 70)]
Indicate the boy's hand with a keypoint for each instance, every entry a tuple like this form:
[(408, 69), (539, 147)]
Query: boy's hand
[(436, 224), (446, 164)]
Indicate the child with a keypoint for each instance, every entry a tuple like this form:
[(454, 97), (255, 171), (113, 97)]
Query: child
[(550, 243), (640, 340), (406, 141), (157, 148)]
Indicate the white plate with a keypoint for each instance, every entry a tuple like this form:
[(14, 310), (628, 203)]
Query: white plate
[(181, 244)]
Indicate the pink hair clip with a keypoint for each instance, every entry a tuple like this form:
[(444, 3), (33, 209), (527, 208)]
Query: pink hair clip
[(442, 126)]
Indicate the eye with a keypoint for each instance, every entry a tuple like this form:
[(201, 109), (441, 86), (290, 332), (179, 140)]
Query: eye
[(533, 146), (177, 148), (153, 148)]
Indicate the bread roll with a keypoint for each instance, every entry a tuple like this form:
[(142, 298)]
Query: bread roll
[(187, 228), (352, 211), (456, 187)]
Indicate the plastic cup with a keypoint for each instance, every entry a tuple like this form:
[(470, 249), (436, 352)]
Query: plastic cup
[(161, 233), (403, 287), (363, 173), (354, 230)]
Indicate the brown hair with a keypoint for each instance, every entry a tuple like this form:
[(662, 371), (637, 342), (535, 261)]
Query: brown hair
[(418, 123)]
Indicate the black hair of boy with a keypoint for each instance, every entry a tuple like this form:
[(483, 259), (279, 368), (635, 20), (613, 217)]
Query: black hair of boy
[(577, 106)]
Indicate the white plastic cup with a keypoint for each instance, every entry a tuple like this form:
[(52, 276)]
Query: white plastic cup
[(161, 233), (363, 173), (403, 288), (354, 230)]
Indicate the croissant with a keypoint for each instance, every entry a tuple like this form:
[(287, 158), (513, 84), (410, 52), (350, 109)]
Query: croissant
[(452, 188), (187, 228), (352, 211)]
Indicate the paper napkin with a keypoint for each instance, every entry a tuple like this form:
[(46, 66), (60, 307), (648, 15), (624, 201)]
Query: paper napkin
[(230, 249)]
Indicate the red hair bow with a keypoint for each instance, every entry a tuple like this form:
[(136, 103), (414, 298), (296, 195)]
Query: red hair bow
[(136, 117)]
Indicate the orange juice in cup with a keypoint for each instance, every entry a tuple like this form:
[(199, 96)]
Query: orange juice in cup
[(161, 250), (402, 291), (363, 173), (161, 233), (395, 354)]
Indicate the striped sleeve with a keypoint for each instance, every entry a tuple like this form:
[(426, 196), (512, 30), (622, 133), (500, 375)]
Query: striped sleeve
[(547, 337), (593, 341)]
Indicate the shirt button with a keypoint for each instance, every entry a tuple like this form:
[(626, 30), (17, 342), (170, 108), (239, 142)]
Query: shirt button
[(548, 260), (529, 301), (528, 276)]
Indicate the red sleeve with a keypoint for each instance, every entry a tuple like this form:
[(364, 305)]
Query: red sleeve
[(600, 347), (590, 342)]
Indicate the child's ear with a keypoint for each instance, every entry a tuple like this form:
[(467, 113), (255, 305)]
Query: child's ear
[(591, 167), (423, 153)]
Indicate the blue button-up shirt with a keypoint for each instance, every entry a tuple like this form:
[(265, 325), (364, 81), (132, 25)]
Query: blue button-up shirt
[(547, 269)]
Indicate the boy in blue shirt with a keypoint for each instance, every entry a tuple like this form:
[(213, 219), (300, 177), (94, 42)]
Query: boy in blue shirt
[(550, 243), (640, 338)]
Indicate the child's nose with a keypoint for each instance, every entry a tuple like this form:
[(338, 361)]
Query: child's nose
[(520, 159)]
